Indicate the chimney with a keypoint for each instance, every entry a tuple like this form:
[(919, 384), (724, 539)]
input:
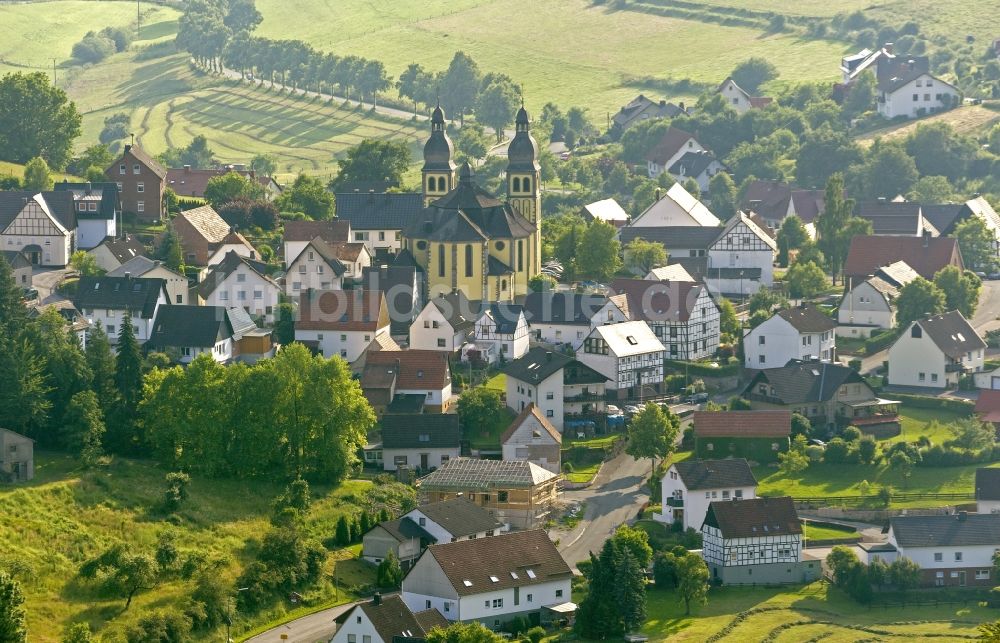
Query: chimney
[(887, 47), (657, 194), (663, 103), (377, 599), (548, 356), (128, 148), (187, 169), (128, 275), (927, 238), (962, 515), (881, 200), (89, 188)]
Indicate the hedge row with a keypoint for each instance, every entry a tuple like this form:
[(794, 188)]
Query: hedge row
[(880, 341), (700, 369), (938, 403)]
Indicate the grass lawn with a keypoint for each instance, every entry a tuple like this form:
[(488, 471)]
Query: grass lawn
[(917, 422), (797, 614), (497, 383), (583, 473), (16, 169), (66, 516), (598, 442), (827, 532), (850, 346)]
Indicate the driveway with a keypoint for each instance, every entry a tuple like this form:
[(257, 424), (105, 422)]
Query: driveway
[(315, 628), (45, 281), (987, 315)]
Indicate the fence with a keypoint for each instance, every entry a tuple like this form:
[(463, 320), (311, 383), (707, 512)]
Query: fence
[(828, 500)]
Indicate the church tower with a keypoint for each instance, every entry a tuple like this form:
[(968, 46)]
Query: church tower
[(524, 192), (439, 169)]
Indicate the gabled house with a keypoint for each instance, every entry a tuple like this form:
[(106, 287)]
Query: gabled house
[(774, 200), (76, 323), (629, 355), (20, 267), (191, 182), (905, 88), (935, 352), (112, 253), (298, 234), (672, 146), (833, 394), (184, 332), (402, 288), (756, 541), (445, 323), (802, 333), (391, 376), (677, 207), (201, 231), (533, 438), (105, 300), (682, 315), (926, 255), (232, 242), (700, 166), (385, 620), (315, 268), (378, 220), (672, 272), (755, 435), (641, 109), (243, 282), (500, 333), (741, 259), (566, 318), (42, 225), (517, 493), (97, 211), (987, 490), (141, 181), (140, 266), (17, 457), (952, 550), (556, 384), (341, 323), (870, 304), (438, 522), (739, 99), (902, 218), (491, 580), (690, 486), (606, 210), (421, 441)]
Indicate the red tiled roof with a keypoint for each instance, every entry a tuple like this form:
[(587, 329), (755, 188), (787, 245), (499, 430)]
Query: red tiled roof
[(191, 182), (925, 255), (363, 310), (988, 405), (670, 143), (330, 231), (417, 369), (743, 424)]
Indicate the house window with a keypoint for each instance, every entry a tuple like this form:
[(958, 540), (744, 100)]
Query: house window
[(958, 556), (353, 638), (938, 557), (939, 579), (223, 296), (559, 593), (530, 598), (921, 377), (111, 329), (441, 343), (774, 446), (916, 97), (934, 377), (296, 285), (468, 260), (549, 396), (241, 295), (738, 494), (762, 358), (447, 606), (136, 169), (497, 603), (440, 260), (399, 460), (427, 604), (121, 170), (549, 413), (982, 574), (725, 495), (343, 338), (140, 187), (140, 206), (240, 277)]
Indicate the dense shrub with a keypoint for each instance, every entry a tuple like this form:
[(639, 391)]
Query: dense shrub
[(93, 48), (939, 403)]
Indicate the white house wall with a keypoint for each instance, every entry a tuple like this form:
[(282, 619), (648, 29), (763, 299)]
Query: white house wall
[(547, 395), (909, 99), (348, 344)]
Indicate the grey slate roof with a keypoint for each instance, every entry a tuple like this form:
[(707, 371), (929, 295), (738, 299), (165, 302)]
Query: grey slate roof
[(754, 518), (107, 191), (506, 317), (801, 382), (60, 204), (946, 531), (190, 326), (15, 258), (681, 237), (562, 307), (807, 319), (423, 430), (119, 293), (124, 249), (715, 474), (460, 517), (458, 310), (136, 266), (943, 216), (405, 529), (952, 333), (537, 365), (218, 273), (692, 164), (386, 211), (891, 217), (987, 484), (393, 620)]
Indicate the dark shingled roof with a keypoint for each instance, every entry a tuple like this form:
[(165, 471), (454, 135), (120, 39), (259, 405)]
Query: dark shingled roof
[(386, 211), (891, 217), (680, 237), (754, 518), (60, 204), (15, 258), (537, 365), (393, 620), (692, 164), (801, 382), (715, 474), (458, 310), (642, 108), (140, 155), (672, 141), (962, 530), (659, 301), (505, 317), (987, 484), (952, 333), (522, 417), (124, 249), (518, 559), (460, 516), (218, 273), (405, 529), (191, 326), (943, 216), (330, 231), (807, 319), (562, 307), (120, 293), (107, 193), (423, 430)]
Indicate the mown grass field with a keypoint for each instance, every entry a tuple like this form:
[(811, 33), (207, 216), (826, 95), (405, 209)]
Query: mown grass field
[(971, 120), (66, 516), (16, 169), (805, 613), (824, 532)]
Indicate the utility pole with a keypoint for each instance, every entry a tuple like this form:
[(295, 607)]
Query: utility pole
[(54, 81), (138, 19)]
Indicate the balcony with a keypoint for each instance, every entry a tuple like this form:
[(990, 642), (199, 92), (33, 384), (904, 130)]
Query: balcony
[(758, 397), (585, 397), (954, 367), (677, 503)]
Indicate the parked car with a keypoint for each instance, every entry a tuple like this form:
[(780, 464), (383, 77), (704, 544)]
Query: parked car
[(818, 443), (30, 294), (696, 398), (631, 410), (613, 410)]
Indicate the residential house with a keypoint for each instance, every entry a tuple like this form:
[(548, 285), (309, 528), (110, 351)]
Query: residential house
[(774, 200), (755, 435), (356, 258), (700, 166), (556, 384), (641, 109), (672, 146), (315, 268), (390, 377), (500, 333), (566, 318), (926, 255), (20, 267), (870, 304), (831, 394), (190, 183), (945, 218), (905, 88), (378, 220), (802, 333), (298, 234), (201, 232), (756, 542), (141, 181), (606, 210), (140, 266), (42, 225), (987, 380), (895, 218), (987, 490), (438, 522), (421, 441), (232, 242), (516, 493), (741, 259), (445, 323), (225, 334), (105, 301), (673, 272), (341, 322), (739, 99), (17, 457), (243, 282), (491, 580), (683, 485), (97, 211), (952, 550), (402, 288), (76, 323), (629, 355), (385, 620), (682, 315), (677, 207), (533, 438), (935, 352), (112, 253)]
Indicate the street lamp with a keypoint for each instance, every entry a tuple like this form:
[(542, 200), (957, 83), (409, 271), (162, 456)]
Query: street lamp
[(229, 614)]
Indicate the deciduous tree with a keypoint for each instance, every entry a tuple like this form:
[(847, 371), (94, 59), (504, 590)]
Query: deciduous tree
[(692, 581), (373, 160), (124, 570), (642, 256), (653, 434), (598, 251), (232, 186), (13, 623), (38, 120), (460, 85), (497, 103), (83, 427), (309, 196), (473, 632), (918, 299), (961, 289), (792, 235), (976, 242), (37, 176), (754, 72), (805, 280)]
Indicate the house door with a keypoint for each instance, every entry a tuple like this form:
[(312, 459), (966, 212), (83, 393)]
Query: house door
[(424, 461), (961, 579), (16, 470), (994, 382), (34, 253)]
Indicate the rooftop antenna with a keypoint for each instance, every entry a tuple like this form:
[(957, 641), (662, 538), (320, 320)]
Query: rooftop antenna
[(132, 135)]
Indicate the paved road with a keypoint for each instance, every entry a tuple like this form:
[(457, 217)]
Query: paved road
[(987, 316), (44, 280), (315, 628)]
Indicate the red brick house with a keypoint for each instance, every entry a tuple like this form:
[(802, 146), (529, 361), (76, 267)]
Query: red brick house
[(141, 182)]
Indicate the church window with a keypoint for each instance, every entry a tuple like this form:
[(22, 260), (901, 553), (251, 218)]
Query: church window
[(441, 260), (468, 260), (441, 184), (520, 255), (503, 284), (500, 245), (527, 184), (430, 183), (421, 245), (517, 184)]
